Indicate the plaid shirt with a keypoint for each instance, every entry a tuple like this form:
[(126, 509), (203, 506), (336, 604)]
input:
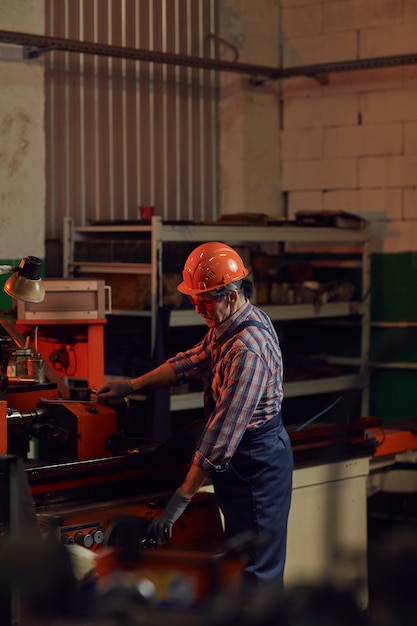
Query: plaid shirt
[(245, 374)]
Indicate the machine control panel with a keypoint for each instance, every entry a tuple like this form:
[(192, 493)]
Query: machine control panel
[(87, 536)]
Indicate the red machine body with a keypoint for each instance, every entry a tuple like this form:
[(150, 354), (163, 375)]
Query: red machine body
[(85, 428), (186, 572)]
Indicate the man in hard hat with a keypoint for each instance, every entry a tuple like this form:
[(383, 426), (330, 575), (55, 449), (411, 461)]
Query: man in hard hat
[(244, 448)]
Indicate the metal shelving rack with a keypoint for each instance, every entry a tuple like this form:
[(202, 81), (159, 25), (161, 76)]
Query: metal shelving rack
[(160, 233)]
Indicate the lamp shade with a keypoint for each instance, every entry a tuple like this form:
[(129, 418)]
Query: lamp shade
[(26, 284)]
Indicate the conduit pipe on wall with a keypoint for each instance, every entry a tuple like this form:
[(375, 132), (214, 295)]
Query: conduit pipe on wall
[(35, 45)]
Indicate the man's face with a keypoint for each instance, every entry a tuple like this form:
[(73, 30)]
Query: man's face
[(213, 309)]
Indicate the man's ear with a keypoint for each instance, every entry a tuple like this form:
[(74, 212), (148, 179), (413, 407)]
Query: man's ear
[(233, 295)]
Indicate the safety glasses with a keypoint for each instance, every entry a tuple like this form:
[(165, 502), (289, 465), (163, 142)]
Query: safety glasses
[(205, 303)]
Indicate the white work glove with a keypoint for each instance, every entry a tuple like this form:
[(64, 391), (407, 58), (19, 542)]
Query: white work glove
[(114, 389), (161, 526)]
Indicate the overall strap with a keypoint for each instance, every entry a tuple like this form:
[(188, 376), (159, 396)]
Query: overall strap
[(208, 397), (246, 323)]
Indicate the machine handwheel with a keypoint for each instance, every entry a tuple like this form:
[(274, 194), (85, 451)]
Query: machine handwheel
[(130, 534)]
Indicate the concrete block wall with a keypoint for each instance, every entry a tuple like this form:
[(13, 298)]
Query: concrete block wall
[(22, 139), (351, 144), (248, 116)]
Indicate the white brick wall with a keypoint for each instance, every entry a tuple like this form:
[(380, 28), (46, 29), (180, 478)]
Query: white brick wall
[(338, 16), (410, 137), (303, 20), (410, 204), (320, 174), (386, 172), (400, 236), (392, 39), (351, 144), (373, 139), (322, 110), (301, 144), (398, 105), (320, 48), (373, 204)]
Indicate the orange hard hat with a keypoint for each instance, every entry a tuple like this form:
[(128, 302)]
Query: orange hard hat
[(211, 266)]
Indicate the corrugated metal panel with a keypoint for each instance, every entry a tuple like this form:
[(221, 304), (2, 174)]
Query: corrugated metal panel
[(120, 132)]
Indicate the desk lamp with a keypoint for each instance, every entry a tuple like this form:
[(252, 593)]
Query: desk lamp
[(26, 283)]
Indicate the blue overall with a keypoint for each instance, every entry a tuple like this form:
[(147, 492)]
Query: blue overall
[(254, 494)]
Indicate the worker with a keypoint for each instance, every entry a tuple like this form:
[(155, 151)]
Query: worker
[(244, 448)]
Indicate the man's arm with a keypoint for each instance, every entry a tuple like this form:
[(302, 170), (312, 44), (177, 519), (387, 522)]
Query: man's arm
[(161, 526), (162, 376), (195, 478)]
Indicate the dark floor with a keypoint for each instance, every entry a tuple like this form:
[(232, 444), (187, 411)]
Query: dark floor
[(392, 559)]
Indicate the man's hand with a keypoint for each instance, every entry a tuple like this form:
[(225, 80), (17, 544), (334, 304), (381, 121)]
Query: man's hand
[(114, 389), (161, 526)]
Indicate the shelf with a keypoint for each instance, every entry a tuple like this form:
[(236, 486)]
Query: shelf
[(238, 234), (131, 312), (322, 241), (194, 400), (234, 233), (394, 365), (115, 228), (188, 317), (186, 401), (110, 268), (315, 386)]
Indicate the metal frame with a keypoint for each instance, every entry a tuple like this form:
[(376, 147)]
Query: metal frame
[(161, 233)]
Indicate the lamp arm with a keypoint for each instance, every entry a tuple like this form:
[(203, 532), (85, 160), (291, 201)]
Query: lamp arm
[(8, 269)]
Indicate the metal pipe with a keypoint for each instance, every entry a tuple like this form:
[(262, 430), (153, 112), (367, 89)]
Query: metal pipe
[(38, 44), (35, 45)]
